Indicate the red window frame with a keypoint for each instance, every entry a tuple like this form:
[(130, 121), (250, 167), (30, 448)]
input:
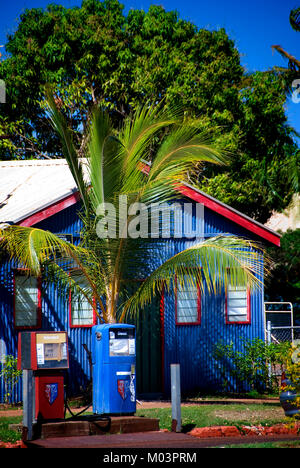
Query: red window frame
[(22, 272), (89, 325), (198, 321), (248, 304)]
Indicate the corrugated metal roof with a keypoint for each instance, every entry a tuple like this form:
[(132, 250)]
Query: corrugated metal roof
[(28, 186)]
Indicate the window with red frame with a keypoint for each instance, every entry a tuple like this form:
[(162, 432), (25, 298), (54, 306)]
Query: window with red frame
[(82, 314), (187, 302), (27, 300), (237, 305)]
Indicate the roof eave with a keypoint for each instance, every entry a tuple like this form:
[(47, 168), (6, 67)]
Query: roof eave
[(232, 214)]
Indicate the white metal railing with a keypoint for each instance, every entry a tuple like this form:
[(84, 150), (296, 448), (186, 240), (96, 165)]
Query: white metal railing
[(280, 334), (285, 308)]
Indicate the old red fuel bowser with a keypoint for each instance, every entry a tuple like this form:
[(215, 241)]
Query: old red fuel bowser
[(43, 357)]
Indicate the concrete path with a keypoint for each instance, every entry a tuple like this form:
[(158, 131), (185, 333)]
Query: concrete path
[(150, 440)]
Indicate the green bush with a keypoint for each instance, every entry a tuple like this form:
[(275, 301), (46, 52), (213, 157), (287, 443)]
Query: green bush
[(253, 367), (10, 375)]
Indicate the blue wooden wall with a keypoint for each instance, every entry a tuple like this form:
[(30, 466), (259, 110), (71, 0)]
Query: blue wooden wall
[(190, 345)]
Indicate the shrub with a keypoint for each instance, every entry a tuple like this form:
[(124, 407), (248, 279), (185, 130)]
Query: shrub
[(253, 367), (11, 376)]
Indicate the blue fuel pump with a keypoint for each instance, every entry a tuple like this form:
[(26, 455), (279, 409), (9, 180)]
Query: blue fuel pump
[(114, 363)]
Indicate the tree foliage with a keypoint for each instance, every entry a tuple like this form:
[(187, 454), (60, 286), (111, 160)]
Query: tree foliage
[(96, 56)]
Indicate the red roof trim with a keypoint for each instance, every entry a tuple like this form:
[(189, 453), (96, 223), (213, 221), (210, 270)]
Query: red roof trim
[(231, 214), (50, 210), (188, 191)]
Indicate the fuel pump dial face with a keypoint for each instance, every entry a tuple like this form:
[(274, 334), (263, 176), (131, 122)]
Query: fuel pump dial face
[(121, 342), (51, 350)]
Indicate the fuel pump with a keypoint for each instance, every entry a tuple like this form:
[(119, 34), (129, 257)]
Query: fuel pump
[(113, 363), (42, 356)]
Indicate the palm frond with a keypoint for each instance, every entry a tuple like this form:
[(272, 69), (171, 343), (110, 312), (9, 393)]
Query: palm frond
[(293, 167), (182, 147), (292, 60), (136, 137), (295, 18), (103, 165), (66, 281), (181, 150), (212, 264), (32, 248)]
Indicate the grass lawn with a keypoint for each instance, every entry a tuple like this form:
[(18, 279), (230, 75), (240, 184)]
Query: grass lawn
[(219, 415), (287, 444), (6, 434)]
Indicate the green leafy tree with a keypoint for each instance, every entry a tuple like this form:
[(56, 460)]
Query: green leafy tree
[(95, 55), (108, 261), (259, 177)]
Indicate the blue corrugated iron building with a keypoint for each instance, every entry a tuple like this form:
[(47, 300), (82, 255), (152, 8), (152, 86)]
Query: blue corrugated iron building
[(162, 338)]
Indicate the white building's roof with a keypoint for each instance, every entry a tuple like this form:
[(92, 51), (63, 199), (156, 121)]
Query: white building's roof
[(28, 186)]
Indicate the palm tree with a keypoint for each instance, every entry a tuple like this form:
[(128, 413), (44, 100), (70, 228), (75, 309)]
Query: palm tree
[(293, 63), (168, 146)]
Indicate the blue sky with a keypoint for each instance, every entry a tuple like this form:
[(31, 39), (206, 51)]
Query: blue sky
[(254, 25)]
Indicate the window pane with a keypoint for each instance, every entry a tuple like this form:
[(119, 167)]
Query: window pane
[(187, 302), (81, 310), (237, 304), (26, 301)]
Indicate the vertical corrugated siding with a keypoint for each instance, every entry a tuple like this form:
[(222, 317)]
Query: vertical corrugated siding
[(190, 345), (55, 311), (56, 306), (8, 335)]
